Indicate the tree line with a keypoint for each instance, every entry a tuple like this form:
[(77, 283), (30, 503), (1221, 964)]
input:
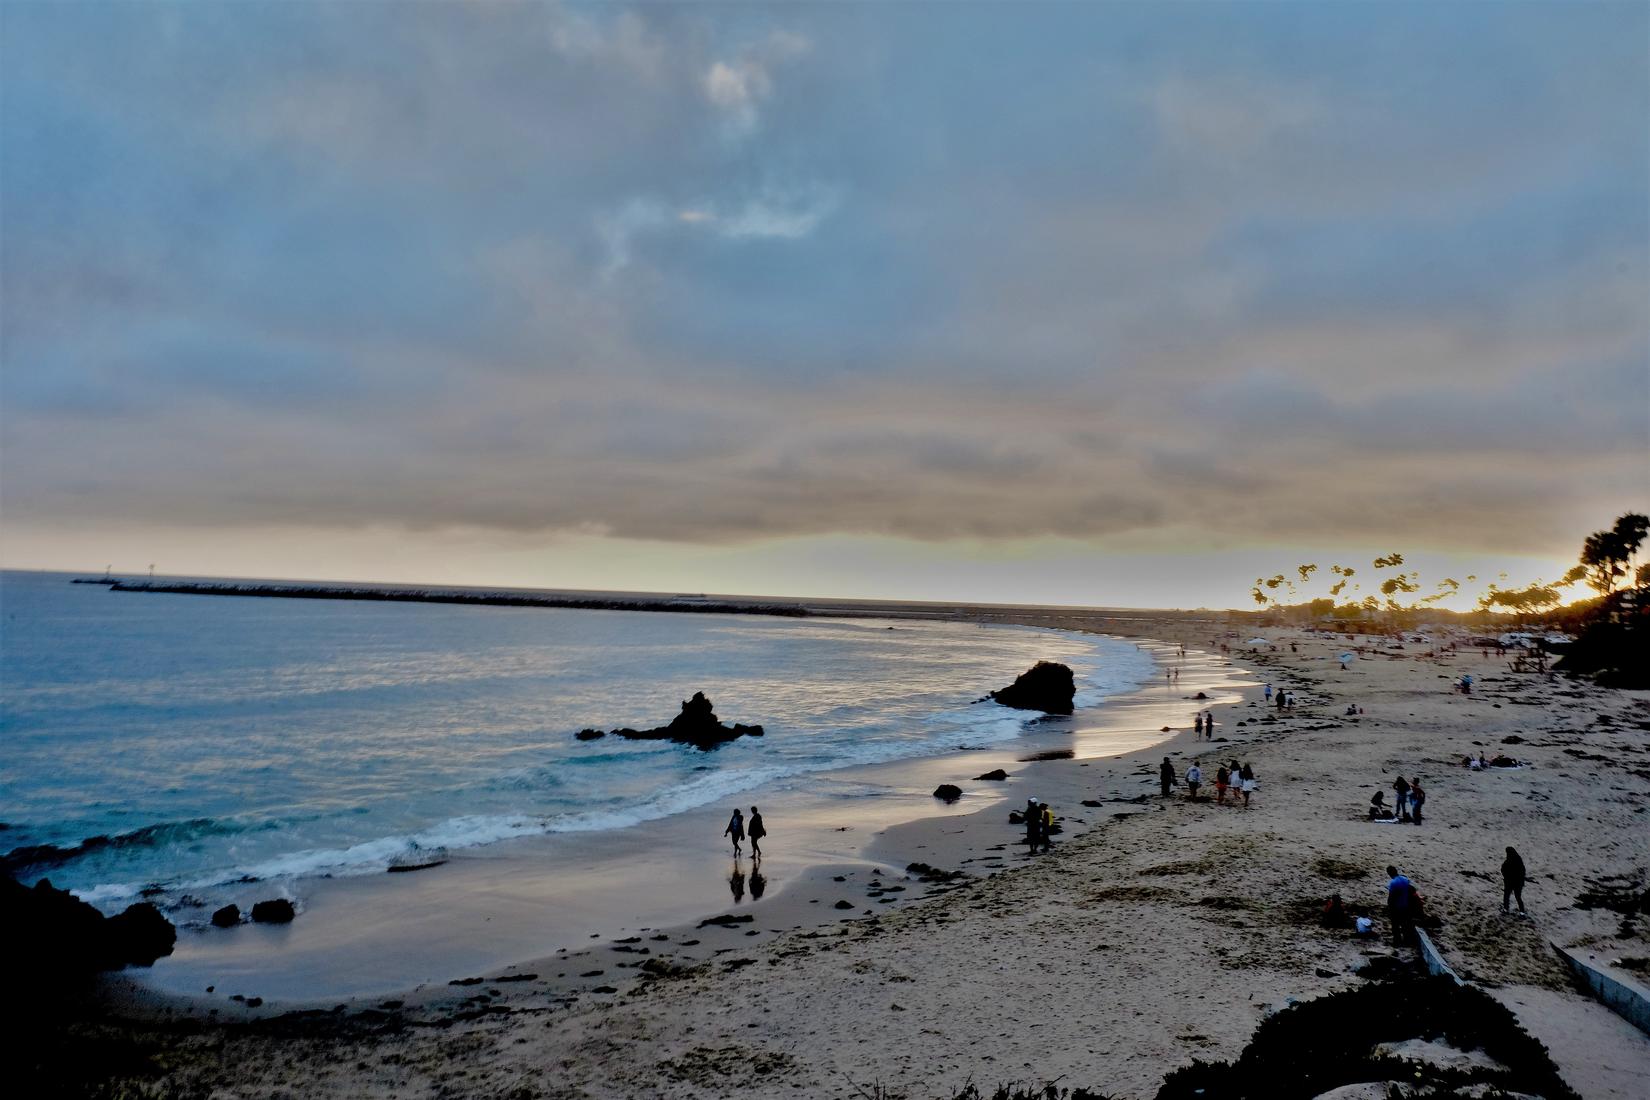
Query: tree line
[(1606, 560)]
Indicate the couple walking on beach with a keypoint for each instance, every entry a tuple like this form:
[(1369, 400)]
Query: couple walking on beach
[(738, 830)]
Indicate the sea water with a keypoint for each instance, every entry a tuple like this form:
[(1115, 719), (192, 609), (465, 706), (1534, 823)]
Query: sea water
[(170, 746)]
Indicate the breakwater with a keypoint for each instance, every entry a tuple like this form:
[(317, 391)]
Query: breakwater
[(388, 594)]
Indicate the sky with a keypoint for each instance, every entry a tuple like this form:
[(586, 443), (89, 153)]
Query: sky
[(1115, 304)]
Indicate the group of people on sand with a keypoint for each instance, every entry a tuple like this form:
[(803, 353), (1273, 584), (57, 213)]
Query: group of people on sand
[(1409, 797), (1039, 822), (1285, 700), (738, 829), (1406, 908), (1499, 760), (1239, 779)]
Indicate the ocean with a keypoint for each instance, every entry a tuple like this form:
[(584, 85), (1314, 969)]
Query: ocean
[(174, 746)]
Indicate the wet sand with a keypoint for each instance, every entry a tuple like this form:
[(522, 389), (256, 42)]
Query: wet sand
[(524, 905)]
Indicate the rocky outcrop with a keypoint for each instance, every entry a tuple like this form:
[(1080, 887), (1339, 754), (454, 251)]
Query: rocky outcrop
[(948, 792), (697, 725), (1045, 686), (47, 929), (227, 917), (273, 911), (995, 775)]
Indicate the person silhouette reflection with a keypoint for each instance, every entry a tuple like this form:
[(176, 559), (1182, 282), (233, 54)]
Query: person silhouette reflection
[(736, 882), (759, 882)]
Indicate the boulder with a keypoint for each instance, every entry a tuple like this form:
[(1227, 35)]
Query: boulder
[(697, 725), (226, 917), (51, 930), (994, 775), (273, 911), (1045, 686), (948, 792)]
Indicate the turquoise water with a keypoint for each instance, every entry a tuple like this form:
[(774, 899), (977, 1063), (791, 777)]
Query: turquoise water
[(199, 741)]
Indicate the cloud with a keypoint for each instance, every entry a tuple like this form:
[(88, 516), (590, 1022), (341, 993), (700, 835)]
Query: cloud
[(669, 275), (738, 87)]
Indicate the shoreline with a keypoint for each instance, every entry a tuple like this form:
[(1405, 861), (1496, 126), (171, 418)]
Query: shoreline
[(504, 908), (1163, 938)]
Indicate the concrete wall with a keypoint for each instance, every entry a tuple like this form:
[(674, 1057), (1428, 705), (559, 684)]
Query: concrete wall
[(1623, 995)]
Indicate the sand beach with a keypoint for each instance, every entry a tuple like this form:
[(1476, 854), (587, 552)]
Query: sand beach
[(1157, 931)]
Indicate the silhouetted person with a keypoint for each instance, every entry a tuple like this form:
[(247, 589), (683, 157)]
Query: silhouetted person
[(756, 831), (1512, 879), (1034, 825), (1197, 725), (1165, 776), (736, 883), (736, 829), (1246, 776), (759, 883), (1417, 798)]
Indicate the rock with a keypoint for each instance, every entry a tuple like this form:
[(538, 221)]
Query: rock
[(994, 775), (52, 931), (1201, 695), (727, 920), (1045, 686), (227, 917), (948, 792), (273, 911), (843, 905), (1091, 803), (697, 725), (1015, 817)]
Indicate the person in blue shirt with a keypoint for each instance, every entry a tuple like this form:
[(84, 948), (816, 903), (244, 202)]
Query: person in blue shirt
[(1400, 905)]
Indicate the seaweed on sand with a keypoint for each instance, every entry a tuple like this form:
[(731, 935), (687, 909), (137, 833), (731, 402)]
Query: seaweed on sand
[(1310, 1048)]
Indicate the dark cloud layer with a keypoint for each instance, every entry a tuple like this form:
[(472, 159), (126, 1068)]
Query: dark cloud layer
[(715, 275)]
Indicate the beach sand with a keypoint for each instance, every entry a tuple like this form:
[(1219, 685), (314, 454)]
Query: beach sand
[(1156, 932)]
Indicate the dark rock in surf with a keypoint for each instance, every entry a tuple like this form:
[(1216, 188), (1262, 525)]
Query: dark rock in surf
[(995, 775), (697, 725), (948, 792), (590, 735), (273, 911), (227, 917), (51, 930), (1045, 686)]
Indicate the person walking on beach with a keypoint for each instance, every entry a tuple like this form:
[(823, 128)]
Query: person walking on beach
[(736, 830), (1045, 827), (1194, 780), (1246, 777), (1209, 724), (756, 831), (1417, 798), (1400, 905), (1197, 725), (1222, 777), (1165, 776), (1268, 690), (1512, 880), (1034, 826)]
